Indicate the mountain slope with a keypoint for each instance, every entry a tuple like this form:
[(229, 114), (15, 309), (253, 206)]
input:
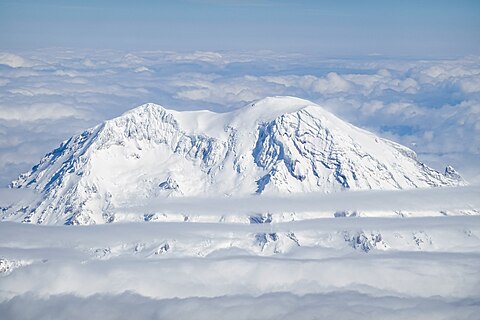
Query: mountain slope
[(276, 145)]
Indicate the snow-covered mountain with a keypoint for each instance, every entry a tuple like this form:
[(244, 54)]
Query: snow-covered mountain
[(275, 145)]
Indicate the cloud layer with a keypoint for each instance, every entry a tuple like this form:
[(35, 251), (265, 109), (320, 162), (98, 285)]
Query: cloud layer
[(340, 305), (424, 268), (373, 203)]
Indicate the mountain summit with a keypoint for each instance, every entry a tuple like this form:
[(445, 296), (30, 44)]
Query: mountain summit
[(275, 145)]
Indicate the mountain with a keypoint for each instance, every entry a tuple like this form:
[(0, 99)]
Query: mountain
[(273, 146)]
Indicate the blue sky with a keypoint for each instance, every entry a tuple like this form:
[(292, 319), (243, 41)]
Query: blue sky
[(392, 28)]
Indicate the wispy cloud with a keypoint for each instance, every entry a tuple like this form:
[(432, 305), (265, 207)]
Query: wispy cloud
[(415, 200)]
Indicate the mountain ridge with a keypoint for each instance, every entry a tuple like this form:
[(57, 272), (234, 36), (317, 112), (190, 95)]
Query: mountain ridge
[(275, 145)]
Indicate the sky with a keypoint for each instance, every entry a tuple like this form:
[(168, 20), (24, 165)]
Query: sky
[(340, 28)]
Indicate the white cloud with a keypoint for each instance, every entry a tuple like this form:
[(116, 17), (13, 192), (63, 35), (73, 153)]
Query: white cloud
[(342, 305), (132, 59), (31, 92), (332, 83), (203, 56), (142, 69), (470, 85), (40, 111), (218, 90), (426, 200), (13, 60)]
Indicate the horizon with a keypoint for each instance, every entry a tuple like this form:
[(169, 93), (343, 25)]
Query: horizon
[(353, 28)]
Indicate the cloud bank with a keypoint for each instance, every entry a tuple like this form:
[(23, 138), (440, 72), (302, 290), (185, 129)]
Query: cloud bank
[(417, 200), (340, 305), (424, 268)]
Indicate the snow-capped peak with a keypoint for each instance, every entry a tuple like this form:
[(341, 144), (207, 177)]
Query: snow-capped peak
[(274, 145)]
